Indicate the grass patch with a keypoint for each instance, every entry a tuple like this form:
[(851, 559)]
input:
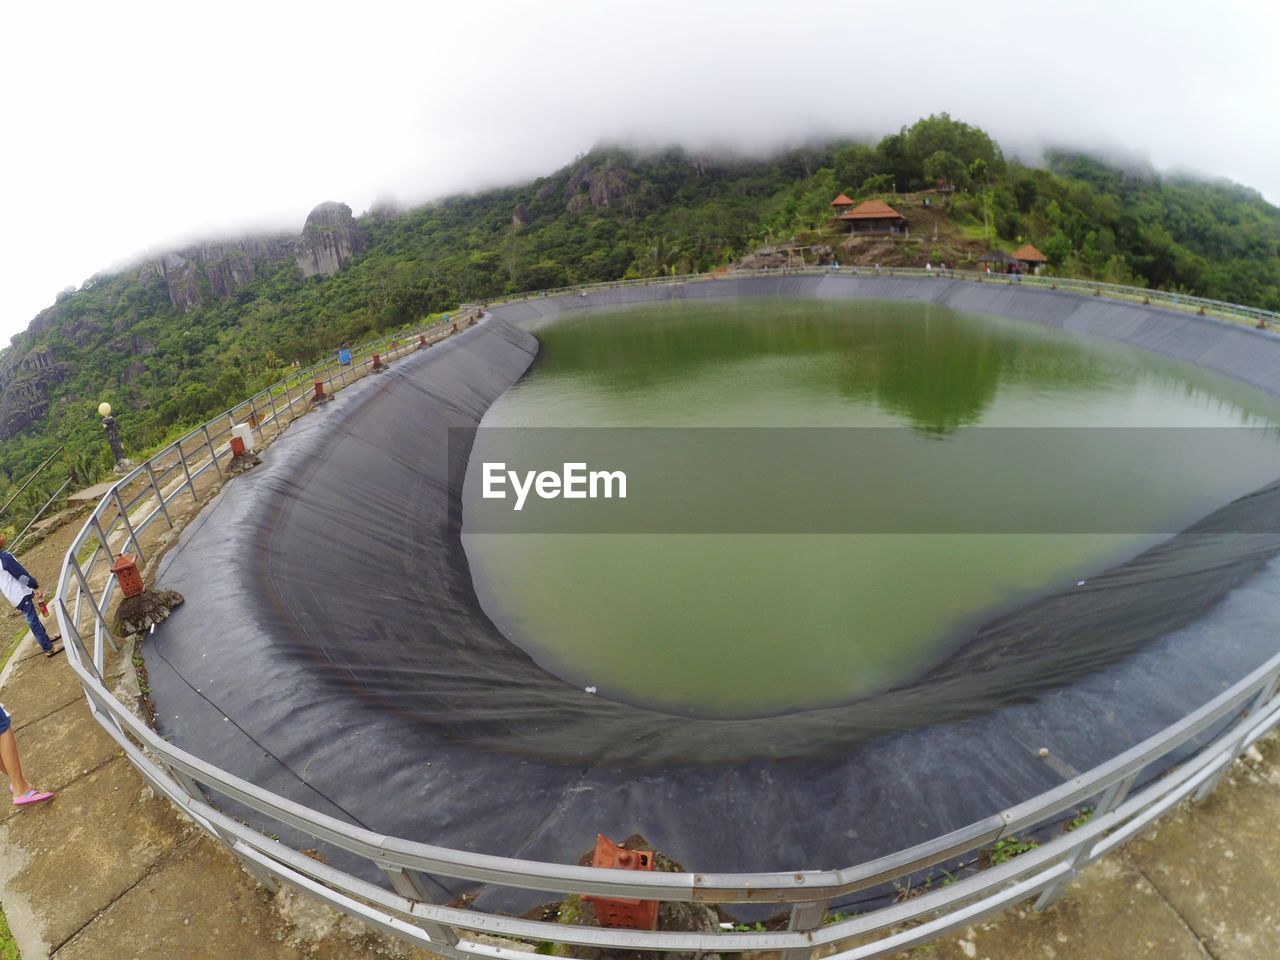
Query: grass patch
[(974, 231), (8, 949), (1080, 819), (1008, 848), (8, 655)]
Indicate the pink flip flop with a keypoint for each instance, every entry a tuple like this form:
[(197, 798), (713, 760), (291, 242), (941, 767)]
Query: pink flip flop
[(32, 796)]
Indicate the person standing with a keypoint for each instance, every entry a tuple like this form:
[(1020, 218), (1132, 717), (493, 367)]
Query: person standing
[(21, 589), (24, 794)]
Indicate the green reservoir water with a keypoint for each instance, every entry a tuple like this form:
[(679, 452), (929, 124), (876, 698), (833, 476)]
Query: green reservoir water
[(735, 624)]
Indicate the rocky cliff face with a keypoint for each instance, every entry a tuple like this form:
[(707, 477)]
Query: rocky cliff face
[(25, 381), (216, 269), (192, 276), (607, 185), (329, 240)]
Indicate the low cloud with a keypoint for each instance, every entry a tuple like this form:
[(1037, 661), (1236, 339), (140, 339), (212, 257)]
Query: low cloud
[(147, 127)]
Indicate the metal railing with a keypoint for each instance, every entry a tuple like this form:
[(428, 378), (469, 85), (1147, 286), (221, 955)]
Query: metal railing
[(1231, 721), (40, 511), (1254, 316), (144, 495)]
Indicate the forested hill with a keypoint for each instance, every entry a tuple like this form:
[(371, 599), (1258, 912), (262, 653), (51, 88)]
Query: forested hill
[(173, 340)]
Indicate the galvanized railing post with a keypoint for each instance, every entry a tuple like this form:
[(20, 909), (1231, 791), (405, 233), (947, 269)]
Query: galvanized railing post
[(1237, 748), (1111, 798), (159, 493), (102, 535), (213, 454), (100, 619), (269, 882), (806, 917), (74, 638), (102, 629), (407, 883), (186, 472), (275, 414), (124, 517), (189, 786)]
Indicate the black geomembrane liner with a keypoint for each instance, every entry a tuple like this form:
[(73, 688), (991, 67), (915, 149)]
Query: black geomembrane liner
[(332, 650)]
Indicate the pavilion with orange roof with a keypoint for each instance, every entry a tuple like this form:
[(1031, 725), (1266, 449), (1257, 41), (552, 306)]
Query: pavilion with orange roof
[(871, 216), (1030, 258)]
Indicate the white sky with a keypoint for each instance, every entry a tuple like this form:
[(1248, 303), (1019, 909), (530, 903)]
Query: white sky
[(129, 126)]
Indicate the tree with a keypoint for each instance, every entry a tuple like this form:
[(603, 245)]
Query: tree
[(1057, 248), (229, 387), (944, 167), (880, 183), (854, 165), (978, 170), (939, 132), (891, 153)]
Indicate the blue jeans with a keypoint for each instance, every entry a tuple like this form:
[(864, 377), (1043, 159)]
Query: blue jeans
[(28, 608)]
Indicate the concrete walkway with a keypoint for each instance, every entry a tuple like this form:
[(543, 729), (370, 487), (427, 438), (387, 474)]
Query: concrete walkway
[(1202, 884), (108, 870)]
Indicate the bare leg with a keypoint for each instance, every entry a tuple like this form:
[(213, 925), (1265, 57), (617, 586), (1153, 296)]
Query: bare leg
[(12, 767)]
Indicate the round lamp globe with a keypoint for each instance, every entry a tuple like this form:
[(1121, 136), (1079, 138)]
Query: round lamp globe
[(104, 409)]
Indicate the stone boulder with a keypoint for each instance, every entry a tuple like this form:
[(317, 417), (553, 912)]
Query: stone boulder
[(138, 614), (329, 241), (604, 186), (245, 461)]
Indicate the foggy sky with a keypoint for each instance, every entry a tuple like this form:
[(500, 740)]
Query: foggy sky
[(133, 126)]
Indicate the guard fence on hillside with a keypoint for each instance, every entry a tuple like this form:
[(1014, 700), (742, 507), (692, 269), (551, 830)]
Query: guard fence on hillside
[(1254, 316), (1126, 793)]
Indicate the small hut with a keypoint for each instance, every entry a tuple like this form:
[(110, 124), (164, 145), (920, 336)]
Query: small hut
[(1030, 258), (997, 261), (873, 216), (841, 204)]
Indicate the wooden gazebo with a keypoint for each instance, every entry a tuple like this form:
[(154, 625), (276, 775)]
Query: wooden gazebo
[(1030, 257), (997, 260), (873, 216), (841, 204)]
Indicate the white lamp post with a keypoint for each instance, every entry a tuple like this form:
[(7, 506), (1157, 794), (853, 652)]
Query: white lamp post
[(113, 432)]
